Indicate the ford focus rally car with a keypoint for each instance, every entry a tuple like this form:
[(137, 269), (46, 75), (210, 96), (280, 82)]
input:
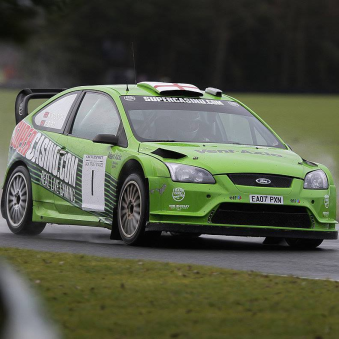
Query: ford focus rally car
[(153, 157)]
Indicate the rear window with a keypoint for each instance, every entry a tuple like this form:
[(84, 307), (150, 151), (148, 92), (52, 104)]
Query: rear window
[(53, 116)]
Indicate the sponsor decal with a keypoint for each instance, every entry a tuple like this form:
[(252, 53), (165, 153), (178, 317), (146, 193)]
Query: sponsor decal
[(55, 169), (22, 138), (184, 101), (178, 194), (234, 104), (129, 98), (235, 197), (327, 201), (116, 157), (39, 149), (295, 201), (160, 190), (179, 207), (202, 151), (57, 186), (263, 181), (93, 183), (326, 214), (115, 164)]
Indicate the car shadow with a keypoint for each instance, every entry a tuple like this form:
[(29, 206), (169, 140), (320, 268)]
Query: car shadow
[(101, 237)]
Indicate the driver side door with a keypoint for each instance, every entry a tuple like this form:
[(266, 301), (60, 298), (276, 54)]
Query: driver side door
[(94, 185)]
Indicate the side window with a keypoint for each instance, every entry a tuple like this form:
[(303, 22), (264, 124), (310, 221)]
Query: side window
[(53, 117), (96, 115)]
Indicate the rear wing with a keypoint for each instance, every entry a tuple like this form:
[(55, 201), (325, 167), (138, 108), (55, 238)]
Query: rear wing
[(21, 102)]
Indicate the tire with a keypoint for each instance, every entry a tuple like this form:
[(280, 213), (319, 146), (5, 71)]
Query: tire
[(19, 204), (303, 243), (132, 212)]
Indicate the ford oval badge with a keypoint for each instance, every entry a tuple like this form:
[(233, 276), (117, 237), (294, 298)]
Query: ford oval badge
[(263, 181)]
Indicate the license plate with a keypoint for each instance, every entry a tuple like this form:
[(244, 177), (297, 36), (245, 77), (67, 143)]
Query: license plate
[(266, 199)]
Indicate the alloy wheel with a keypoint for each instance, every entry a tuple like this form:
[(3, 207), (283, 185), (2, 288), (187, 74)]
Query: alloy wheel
[(17, 193), (130, 207)]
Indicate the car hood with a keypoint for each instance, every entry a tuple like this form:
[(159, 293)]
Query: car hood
[(222, 159)]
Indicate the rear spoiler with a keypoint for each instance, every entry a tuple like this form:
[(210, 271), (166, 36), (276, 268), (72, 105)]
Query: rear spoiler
[(21, 102)]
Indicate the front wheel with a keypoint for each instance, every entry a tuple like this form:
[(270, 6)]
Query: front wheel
[(303, 243), (18, 204), (132, 211)]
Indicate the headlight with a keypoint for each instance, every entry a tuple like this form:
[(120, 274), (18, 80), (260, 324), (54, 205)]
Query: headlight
[(316, 180), (184, 173)]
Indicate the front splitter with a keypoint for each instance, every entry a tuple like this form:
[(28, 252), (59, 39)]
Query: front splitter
[(242, 231)]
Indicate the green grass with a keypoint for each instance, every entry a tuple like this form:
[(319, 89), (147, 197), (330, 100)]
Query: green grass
[(91, 297), (308, 123)]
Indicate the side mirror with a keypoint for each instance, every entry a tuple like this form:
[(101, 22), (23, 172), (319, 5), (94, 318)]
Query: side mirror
[(106, 139)]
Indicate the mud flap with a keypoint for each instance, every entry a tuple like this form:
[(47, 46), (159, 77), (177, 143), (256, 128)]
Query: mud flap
[(115, 235), (3, 204)]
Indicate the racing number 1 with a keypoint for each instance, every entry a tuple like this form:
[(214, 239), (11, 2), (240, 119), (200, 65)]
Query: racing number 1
[(93, 183)]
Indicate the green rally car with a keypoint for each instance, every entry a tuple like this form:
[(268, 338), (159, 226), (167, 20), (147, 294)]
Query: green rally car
[(152, 157)]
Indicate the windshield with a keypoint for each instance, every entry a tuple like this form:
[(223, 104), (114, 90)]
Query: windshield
[(195, 120)]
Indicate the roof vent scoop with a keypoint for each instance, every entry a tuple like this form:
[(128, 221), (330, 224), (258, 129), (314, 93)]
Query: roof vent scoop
[(172, 89), (214, 91)]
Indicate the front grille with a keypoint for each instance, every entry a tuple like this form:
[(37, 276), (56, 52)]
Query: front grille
[(249, 179), (262, 215)]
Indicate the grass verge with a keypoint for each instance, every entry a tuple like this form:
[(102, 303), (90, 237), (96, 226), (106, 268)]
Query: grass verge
[(92, 297)]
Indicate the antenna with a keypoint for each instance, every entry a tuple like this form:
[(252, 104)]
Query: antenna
[(135, 70)]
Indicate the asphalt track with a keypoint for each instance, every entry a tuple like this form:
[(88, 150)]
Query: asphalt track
[(238, 253)]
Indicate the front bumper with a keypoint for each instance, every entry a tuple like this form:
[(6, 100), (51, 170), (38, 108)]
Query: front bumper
[(242, 231), (195, 205)]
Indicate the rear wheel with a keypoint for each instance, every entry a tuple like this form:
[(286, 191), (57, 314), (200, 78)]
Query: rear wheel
[(303, 243), (132, 212), (18, 204)]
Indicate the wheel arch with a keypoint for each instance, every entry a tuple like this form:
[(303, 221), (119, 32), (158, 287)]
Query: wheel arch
[(131, 166)]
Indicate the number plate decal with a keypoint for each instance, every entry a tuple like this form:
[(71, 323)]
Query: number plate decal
[(266, 199), (93, 183)]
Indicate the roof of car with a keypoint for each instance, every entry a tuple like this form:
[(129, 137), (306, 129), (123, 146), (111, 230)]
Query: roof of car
[(148, 91)]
